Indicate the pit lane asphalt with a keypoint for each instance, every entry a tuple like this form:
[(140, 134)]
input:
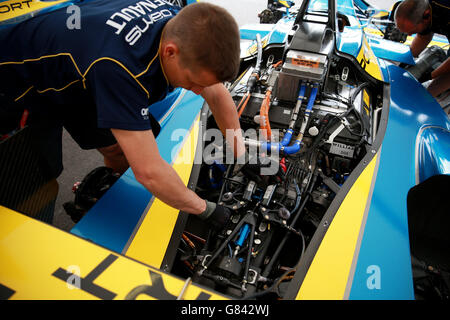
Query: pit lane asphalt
[(78, 162)]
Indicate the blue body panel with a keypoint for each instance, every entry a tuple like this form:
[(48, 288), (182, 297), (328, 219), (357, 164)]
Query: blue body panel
[(277, 33), (114, 217), (249, 31), (385, 243), (433, 152), (346, 7), (350, 41), (361, 4), (390, 50)]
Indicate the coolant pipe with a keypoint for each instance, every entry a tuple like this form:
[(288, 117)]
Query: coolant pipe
[(288, 135), (297, 144)]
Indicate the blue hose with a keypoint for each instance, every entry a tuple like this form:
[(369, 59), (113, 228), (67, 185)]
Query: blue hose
[(312, 98), (294, 148), (243, 235), (288, 136)]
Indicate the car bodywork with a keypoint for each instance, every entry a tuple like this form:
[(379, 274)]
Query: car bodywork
[(348, 184)]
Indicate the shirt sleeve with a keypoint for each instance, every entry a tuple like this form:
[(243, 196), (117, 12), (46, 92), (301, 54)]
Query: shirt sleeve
[(122, 103)]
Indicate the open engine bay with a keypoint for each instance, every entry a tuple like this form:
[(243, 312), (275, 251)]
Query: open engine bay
[(319, 113)]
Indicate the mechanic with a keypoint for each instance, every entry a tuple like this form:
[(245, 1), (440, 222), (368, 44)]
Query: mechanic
[(97, 81), (425, 18)]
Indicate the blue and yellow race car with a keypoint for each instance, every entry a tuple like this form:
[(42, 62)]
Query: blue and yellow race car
[(342, 195)]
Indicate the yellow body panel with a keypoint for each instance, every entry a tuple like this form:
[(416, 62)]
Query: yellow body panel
[(368, 60), (16, 8), (328, 274), (35, 258)]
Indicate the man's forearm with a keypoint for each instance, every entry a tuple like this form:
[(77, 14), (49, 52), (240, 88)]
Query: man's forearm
[(166, 185), (154, 173), (225, 114), (444, 68), (419, 43)]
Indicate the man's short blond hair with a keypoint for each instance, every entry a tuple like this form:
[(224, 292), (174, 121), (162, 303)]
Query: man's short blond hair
[(208, 37)]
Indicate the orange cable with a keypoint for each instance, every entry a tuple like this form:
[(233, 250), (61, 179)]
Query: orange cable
[(276, 65), (264, 116), (247, 97)]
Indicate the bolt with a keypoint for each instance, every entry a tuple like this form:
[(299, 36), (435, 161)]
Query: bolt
[(235, 218), (262, 227), (227, 196)]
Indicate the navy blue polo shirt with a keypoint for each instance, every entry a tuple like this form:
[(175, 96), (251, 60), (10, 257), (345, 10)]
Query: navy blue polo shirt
[(110, 63)]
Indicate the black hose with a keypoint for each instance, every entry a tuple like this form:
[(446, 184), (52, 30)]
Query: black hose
[(352, 107)]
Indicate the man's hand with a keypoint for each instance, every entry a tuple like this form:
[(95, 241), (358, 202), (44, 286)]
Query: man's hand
[(215, 215)]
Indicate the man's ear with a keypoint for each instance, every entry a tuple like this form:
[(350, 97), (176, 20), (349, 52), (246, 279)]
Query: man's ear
[(170, 49), (427, 15)]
